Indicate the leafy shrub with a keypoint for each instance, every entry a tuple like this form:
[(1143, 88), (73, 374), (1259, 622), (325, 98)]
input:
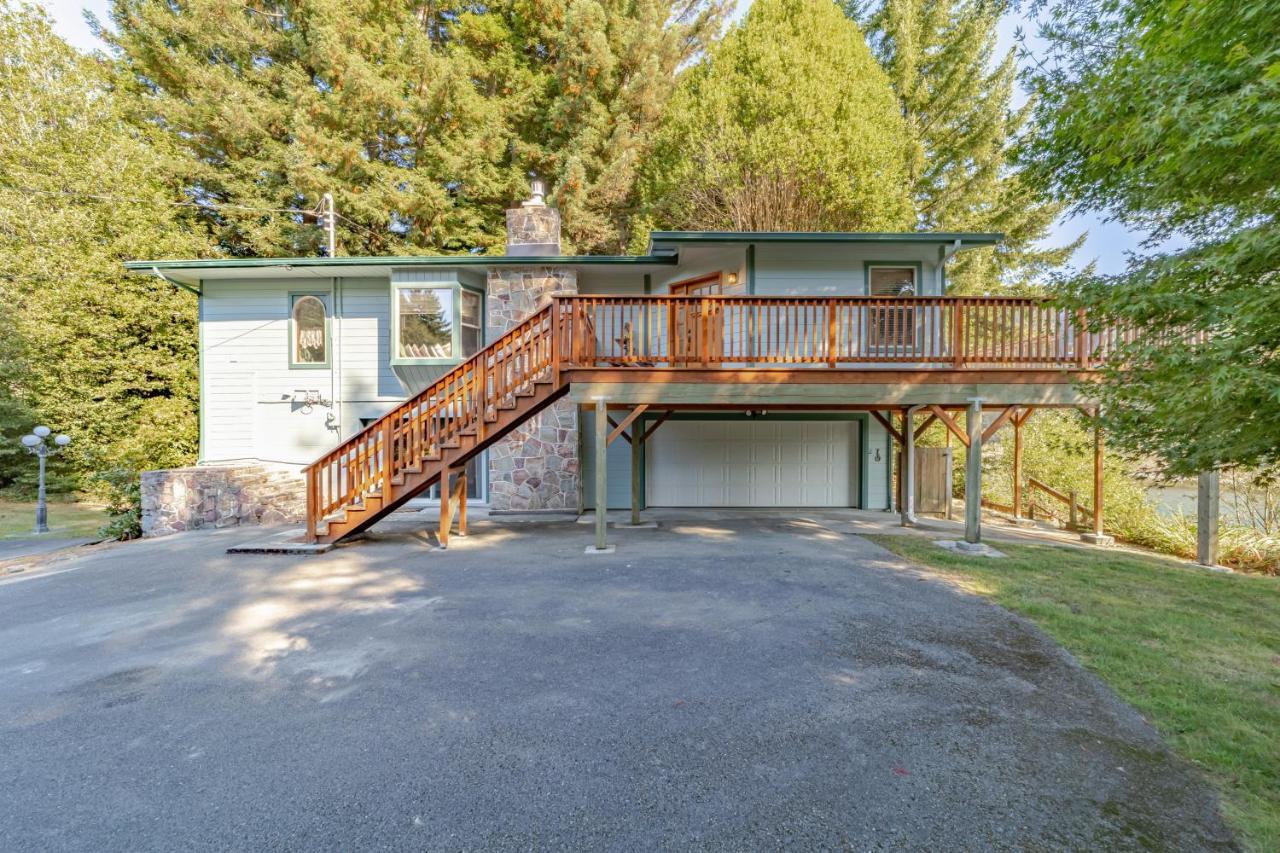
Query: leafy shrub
[(121, 488)]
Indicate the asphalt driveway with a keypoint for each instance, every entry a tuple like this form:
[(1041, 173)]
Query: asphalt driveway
[(729, 684)]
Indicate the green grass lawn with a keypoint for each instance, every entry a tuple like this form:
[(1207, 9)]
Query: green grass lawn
[(1198, 653), (67, 519)]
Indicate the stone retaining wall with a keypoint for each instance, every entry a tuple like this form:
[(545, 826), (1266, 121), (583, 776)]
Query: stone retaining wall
[(179, 499)]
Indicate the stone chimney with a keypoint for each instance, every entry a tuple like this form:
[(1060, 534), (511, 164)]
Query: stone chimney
[(533, 228), (536, 466)]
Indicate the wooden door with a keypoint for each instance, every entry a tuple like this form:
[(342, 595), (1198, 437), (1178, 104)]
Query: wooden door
[(697, 325)]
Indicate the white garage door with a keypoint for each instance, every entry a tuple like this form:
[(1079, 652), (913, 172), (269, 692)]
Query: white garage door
[(752, 463)]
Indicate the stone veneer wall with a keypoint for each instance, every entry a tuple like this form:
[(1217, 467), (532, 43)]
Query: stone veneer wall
[(179, 499), (536, 466)]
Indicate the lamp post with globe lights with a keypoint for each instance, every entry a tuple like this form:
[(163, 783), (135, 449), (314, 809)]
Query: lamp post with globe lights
[(35, 444)]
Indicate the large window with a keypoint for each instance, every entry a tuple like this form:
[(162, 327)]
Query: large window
[(436, 324), (425, 323), (308, 330)]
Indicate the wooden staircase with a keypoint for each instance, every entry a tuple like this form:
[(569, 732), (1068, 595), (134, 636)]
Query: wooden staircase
[(425, 439)]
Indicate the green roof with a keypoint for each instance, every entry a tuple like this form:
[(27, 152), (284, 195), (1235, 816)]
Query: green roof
[(411, 261), (663, 249), (973, 238)]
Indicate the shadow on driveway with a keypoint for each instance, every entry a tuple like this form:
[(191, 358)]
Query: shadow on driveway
[(731, 683)]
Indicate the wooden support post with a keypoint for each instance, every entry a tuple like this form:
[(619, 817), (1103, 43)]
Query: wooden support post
[(973, 475), (1207, 497), (446, 512), (460, 501), (313, 503), (637, 479), (909, 467), (1017, 469), (1097, 476), (1097, 537), (602, 457)]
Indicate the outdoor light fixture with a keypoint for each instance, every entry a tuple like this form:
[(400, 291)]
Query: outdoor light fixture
[(732, 278), (34, 442)]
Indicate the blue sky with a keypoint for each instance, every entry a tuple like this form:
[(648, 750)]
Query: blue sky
[(1107, 242)]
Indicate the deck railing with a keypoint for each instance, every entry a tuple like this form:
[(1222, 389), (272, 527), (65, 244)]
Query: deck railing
[(665, 332), (854, 331)]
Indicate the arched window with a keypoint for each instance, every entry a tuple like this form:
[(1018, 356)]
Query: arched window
[(310, 331)]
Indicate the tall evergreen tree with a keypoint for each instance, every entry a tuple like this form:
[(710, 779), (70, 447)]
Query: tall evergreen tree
[(88, 349), (789, 124), (956, 95), (422, 119)]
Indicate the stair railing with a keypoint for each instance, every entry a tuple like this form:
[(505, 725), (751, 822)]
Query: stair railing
[(1077, 513), (422, 428)]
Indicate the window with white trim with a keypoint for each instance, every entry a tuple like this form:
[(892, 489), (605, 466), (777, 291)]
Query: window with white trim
[(425, 323), (436, 323)]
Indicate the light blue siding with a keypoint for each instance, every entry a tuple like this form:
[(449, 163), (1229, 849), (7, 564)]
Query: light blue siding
[(834, 269), (618, 481)]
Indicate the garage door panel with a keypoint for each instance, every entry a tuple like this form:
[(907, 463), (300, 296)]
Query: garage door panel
[(751, 463)]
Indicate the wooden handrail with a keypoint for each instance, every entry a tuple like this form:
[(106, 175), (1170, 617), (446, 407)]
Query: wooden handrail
[(947, 332), (1075, 509), (420, 429)]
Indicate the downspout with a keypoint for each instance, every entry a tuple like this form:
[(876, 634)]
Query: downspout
[(335, 369)]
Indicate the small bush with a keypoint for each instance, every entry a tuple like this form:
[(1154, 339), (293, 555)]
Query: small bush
[(122, 490)]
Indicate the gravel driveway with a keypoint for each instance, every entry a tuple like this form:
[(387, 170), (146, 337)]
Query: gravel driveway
[(730, 684)]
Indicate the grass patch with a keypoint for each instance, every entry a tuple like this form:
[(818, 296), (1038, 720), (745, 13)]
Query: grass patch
[(1197, 653), (67, 519)]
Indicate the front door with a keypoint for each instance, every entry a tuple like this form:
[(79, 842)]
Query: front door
[(696, 326)]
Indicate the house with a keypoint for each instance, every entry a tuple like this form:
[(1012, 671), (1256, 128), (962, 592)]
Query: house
[(741, 369)]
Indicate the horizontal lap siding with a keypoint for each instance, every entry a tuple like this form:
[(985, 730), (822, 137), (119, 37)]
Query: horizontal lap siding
[(245, 329), (249, 390), (834, 269)]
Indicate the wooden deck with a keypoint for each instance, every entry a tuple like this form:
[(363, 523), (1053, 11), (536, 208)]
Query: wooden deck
[(718, 352)]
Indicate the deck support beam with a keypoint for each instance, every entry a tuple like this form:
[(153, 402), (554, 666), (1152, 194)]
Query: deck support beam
[(459, 501), (1207, 497), (1097, 536), (973, 474), (637, 448), (602, 483), (909, 466), (1017, 470)]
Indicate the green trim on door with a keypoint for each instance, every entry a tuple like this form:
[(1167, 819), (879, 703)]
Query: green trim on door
[(751, 269)]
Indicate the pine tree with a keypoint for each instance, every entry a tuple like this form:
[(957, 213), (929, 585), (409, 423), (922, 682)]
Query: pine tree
[(956, 97), (423, 120), (788, 125), (88, 349)]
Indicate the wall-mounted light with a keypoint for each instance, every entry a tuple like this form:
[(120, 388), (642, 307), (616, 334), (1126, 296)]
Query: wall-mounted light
[(732, 278)]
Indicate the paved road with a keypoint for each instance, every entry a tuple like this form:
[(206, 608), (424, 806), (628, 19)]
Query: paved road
[(727, 684)]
